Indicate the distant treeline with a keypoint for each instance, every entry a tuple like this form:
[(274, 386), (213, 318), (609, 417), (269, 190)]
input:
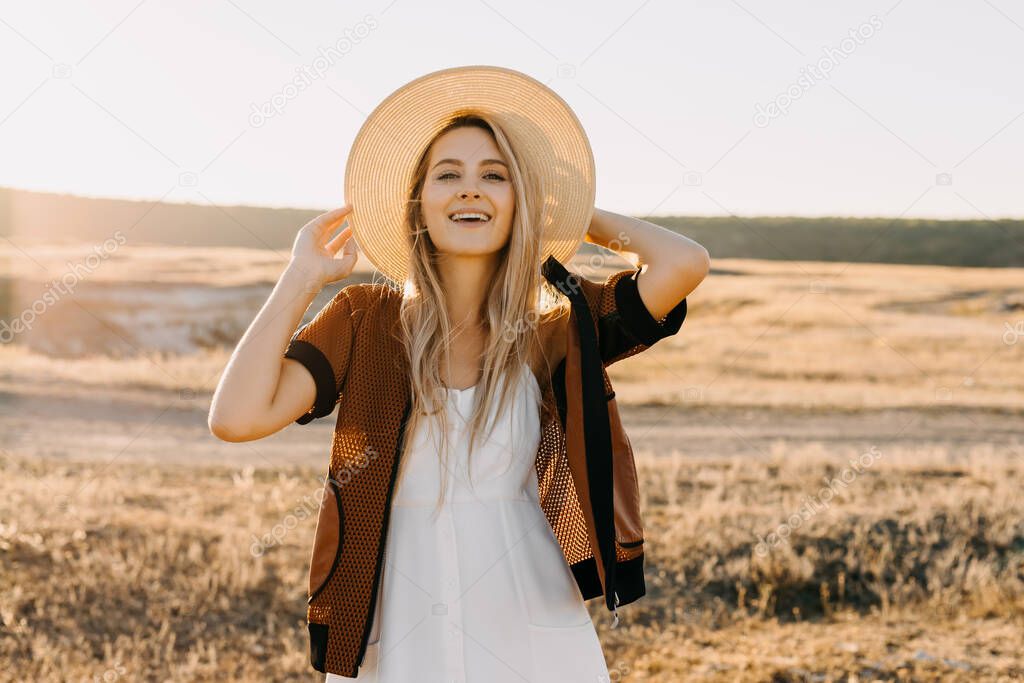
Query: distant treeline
[(34, 217), (995, 243)]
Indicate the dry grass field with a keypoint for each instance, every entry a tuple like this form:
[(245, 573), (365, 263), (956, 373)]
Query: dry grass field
[(831, 463)]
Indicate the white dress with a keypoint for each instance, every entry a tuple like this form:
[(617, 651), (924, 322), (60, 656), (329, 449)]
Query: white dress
[(481, 593)]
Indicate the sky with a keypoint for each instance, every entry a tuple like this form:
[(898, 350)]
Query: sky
[(752, 108)]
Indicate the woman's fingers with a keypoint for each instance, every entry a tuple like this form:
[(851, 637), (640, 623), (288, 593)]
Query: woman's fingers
[(329, 220), (346, 265), (351, 248), (339, 240), (342, 267), (346, 244)]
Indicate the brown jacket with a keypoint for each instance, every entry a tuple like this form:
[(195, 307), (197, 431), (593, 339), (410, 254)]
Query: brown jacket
[(585, 469)]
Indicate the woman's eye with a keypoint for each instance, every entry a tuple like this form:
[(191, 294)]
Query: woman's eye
[(492, 174)]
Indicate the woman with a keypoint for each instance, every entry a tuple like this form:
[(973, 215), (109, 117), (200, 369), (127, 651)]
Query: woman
[(475, 585)]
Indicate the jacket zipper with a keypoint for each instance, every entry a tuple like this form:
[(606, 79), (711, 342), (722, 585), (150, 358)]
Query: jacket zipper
[(382, 551)]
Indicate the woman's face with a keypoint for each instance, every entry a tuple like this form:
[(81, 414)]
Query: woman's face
[(466, 174)]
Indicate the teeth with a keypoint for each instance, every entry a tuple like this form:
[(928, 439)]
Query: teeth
[(466, 215)]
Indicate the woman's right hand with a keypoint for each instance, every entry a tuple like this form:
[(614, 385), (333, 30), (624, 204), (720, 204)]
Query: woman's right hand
[(316, 256)]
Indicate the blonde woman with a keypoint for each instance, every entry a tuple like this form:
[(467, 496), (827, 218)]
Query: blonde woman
[(480, 488)]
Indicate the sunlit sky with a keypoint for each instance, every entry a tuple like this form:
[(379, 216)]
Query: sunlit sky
[(921, 113)]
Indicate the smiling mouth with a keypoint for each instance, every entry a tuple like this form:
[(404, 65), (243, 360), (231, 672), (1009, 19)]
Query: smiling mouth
[(470, 218)]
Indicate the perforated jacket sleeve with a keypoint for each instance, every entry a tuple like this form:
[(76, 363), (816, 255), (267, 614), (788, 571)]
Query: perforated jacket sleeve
[(625, 326), (324, 346)]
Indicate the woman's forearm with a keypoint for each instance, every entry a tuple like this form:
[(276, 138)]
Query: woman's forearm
[(655, 245), (250, 379), (675, 264)]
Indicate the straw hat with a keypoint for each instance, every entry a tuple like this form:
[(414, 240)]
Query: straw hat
[(541, 127)]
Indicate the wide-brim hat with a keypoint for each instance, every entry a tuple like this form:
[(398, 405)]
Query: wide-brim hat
[(542, 129)]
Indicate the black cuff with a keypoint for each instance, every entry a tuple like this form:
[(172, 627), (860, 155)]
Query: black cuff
[(585, 573), (318, 646), (629, 580), (323, 375), (638, 320)]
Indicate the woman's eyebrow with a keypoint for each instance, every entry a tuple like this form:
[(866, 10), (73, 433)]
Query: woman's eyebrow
[(458, 162)]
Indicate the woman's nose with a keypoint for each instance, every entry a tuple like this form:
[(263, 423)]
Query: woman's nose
[(464, 194)]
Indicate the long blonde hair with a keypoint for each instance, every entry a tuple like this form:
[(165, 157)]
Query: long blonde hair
[(518, 301)]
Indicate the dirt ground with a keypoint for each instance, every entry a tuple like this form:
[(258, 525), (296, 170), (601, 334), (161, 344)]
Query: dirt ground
[(781, 373)]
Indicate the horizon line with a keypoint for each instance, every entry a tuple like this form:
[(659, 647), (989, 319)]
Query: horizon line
[(151, 200)]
